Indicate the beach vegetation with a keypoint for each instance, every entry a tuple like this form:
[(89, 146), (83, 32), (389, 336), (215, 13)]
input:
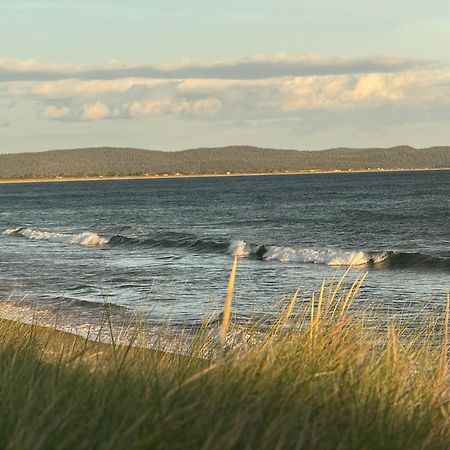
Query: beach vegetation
[(318, 377)]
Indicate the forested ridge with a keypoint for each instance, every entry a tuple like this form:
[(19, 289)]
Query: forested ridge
[(109, 161)]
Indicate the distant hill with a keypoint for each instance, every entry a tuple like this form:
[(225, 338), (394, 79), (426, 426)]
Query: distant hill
[(106, 161)]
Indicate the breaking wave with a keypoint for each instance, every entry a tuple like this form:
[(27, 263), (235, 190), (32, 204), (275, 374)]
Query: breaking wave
[(328, 257), (154, 240), (332, 257), (307, 255), (85, 239), (240, 248)]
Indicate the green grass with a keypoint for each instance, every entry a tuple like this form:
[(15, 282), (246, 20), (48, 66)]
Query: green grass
[(318, 378)]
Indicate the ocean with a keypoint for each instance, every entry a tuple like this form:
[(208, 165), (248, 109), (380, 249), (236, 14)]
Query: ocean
[(164, 248)]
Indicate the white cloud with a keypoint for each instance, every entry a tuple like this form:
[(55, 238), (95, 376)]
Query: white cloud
[(86, 112), (263, 89), (195, 85), (349, 91), (148, 107), (61, 89), (55, 112), (96, 111), (252, 99), (203, 107)]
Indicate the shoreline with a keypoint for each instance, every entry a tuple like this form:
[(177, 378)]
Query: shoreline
[(209, 175), (125, 328)]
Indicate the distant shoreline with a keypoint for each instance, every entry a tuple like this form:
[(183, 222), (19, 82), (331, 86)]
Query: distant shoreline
[(208, 175)]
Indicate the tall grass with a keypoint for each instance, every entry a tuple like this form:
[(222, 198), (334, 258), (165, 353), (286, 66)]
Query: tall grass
[(316, 378)]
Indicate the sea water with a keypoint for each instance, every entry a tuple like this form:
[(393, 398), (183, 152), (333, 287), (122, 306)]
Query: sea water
[(164, 247)]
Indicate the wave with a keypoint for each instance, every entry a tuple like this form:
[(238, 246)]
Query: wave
[(89, 304), (403, 260), (170, 240), (306, 255), (328, 257), (153, 240), (85, 239), (285, 254), (376, 259)]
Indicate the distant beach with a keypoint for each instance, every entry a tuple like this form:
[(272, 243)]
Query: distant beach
[(209, 175)]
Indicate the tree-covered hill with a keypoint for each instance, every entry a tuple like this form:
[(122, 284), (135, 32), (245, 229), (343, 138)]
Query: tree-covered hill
[(106, 161)]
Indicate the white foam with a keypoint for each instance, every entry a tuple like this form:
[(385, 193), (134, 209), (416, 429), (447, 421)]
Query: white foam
[(328, 257), (238, 248), (307, 255), (89, 239), (12, 231), (380, 257), (86, 239)]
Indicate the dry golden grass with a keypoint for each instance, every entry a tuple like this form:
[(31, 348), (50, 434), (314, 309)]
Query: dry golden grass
[(316, 378)]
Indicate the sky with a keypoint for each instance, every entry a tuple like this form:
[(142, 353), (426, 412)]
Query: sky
[(177, 74)]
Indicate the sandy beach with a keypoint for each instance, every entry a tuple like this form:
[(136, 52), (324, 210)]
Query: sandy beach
[(208, 175)]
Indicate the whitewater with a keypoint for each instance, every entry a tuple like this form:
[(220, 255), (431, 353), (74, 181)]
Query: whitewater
[(239, 248)]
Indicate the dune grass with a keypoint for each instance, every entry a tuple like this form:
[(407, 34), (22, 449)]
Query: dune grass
[(317, 378)]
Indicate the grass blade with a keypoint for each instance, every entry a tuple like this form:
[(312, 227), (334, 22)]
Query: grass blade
[(228, 301)]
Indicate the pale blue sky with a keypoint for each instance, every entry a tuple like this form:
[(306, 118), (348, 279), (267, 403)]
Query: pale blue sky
[(290, 74)]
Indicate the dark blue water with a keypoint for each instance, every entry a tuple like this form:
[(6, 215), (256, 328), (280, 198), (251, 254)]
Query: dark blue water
[(166, 246)]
